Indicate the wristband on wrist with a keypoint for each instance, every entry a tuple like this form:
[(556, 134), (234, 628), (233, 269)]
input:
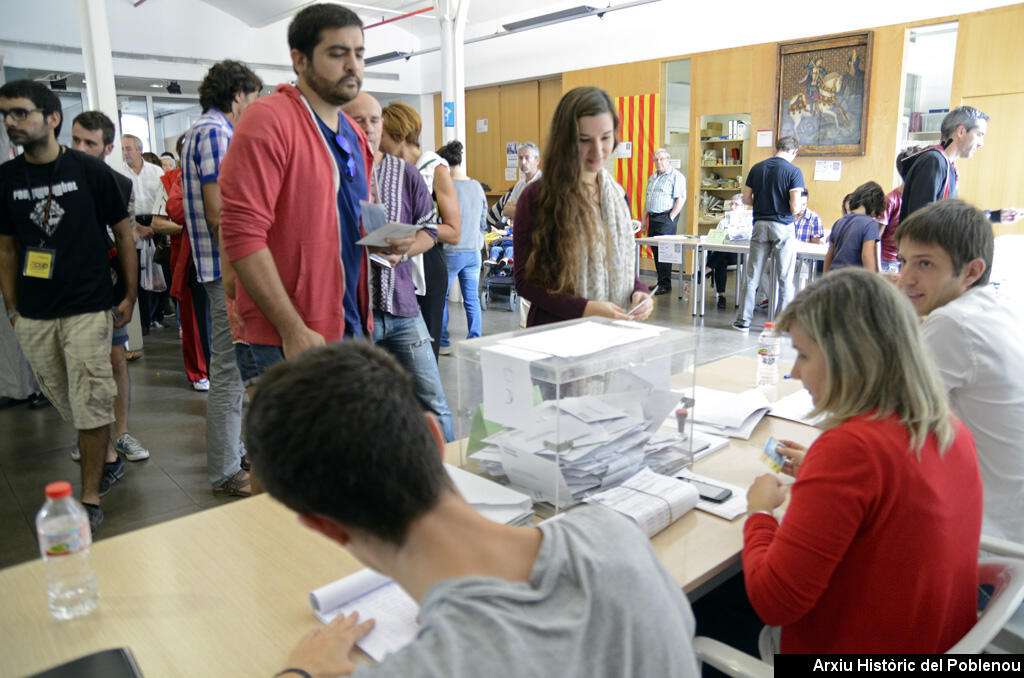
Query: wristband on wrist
[(11, 314), (297, 672)]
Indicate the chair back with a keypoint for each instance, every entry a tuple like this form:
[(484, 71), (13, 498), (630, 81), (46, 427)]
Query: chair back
[(1006, 577)]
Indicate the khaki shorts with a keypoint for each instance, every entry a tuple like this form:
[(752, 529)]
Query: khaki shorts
[(71, 359)]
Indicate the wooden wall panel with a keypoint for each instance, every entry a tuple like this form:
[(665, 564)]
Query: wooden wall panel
[(519, 122), (988, 53), (621, 80), (438, 118), (484, 159), (550, 93)]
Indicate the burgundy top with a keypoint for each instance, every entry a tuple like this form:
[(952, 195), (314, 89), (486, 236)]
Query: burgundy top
[(545, 306), (891, 217)]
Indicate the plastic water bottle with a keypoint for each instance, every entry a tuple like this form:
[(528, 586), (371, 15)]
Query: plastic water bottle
[(768, 348), (65, 541)]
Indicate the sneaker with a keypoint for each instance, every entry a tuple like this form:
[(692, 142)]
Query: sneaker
[(76, 454), (763, 306), (721, 302), (741, 326), (491, 262), (201, 385), (237, 485), (130, 448), (112, 472), (156, 325), (95, 517), (445, 350)]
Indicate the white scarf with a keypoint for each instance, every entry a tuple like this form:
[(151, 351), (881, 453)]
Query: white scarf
[(609, 276)]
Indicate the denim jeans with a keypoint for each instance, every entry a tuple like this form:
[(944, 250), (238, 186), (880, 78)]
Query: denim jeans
[(407, 339), (224, 447), (466, 265), (775, 239), (501, 251), (255, 359)]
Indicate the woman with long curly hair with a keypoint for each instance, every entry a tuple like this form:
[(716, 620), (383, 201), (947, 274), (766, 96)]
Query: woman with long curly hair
[(573, 233)]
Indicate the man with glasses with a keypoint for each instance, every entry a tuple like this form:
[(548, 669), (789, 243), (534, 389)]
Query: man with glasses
[(774, 187), (226, 91), (55, 207), (292, 184), (663, 201)]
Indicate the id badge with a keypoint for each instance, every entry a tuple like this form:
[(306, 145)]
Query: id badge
[(39, 263)]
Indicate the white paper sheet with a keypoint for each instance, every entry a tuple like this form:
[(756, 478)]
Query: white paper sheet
[(651, 500), (731, 508), (378, 238), (582, 338), (796, 407), (508, 391)]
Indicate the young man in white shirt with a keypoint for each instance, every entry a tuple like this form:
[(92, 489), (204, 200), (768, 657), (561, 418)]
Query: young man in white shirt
[(364, 469), (945, 255)]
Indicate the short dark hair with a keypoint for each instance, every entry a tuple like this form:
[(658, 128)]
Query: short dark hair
[(957, 227), (305, 29), (787, 144), (42, 97), (452, 153), (338, 432), (96, 120), (223, 81), (871, 197)]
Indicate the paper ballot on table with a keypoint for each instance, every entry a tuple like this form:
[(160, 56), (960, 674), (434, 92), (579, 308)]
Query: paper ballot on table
[(376, 597), (508, 390), (732, 508), (731, 414), (491, 500), (651, 500), (796, 407)]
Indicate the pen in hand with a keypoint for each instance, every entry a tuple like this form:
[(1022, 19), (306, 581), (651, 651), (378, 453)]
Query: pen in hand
[(637, 307)]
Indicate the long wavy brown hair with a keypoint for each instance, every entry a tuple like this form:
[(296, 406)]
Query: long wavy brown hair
[(566, 221)]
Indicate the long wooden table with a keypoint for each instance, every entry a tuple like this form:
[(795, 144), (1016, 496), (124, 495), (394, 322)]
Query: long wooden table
[(226, 591)]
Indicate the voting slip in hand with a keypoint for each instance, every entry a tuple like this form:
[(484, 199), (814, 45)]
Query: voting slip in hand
[(393, 230)]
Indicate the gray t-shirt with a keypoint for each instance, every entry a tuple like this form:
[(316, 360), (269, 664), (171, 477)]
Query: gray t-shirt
[(473, 210), (598, 604)]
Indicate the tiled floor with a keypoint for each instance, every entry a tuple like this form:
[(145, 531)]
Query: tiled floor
[(167, 416)]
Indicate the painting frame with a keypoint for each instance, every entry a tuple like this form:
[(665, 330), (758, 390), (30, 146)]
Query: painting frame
[(820, 85)]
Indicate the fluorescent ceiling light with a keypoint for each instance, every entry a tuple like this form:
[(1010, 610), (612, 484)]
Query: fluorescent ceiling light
[(552, 18)]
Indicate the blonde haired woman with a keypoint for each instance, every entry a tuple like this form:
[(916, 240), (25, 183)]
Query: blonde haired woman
[(401, 138), (573, 234), (878, 549)]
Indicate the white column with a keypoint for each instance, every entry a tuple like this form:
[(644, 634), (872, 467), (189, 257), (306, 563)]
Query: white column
[(99, 68), (452, 15)]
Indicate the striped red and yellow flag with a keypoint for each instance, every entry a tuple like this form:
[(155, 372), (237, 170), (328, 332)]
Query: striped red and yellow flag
[(641, 126)]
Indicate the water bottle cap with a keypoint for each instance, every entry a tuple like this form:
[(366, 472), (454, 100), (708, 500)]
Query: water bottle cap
[(769, 326), (58, 490)]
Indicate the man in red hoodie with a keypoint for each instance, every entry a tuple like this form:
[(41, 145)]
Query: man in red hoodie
[(291, 185)]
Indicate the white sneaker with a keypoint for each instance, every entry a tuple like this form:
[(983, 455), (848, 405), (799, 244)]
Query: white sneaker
[(201, 385), (130, 448), (445, 350), (76, 454)]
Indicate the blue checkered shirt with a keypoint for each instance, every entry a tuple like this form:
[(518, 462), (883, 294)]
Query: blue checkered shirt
[(201, 155), (809, 226), (663, 189)]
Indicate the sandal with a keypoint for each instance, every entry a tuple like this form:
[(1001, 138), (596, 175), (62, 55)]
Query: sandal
[(237, 485), (132, 355)]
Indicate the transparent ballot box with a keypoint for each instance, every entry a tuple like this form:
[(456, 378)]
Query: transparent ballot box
[(565, 410)]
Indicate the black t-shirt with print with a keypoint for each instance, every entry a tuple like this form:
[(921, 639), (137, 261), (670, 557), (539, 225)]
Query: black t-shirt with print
[(86, 199)]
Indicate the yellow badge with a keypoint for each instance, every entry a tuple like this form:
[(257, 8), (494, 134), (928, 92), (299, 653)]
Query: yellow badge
[(39, 263)]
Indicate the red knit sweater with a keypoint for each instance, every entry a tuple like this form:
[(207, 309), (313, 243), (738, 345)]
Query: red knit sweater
[(878, 550)]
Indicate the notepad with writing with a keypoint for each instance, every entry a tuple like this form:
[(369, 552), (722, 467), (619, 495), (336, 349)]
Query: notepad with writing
[(376, 597)]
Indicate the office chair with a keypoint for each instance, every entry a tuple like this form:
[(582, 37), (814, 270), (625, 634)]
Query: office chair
[(1010, 639), (1004, 575)]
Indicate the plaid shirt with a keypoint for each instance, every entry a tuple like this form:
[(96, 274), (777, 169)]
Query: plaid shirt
[(201, 156), (663, 189), (809, 226)]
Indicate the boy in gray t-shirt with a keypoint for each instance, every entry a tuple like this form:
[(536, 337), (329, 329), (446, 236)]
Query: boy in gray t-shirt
[(580, 595)]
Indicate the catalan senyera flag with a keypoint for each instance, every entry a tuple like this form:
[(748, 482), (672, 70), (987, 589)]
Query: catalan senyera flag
[(641, 125)]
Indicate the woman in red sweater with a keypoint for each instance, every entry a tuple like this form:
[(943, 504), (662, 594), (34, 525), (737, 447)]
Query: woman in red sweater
[(878, 549)]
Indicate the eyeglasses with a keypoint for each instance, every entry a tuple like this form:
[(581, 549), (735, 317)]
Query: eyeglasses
[(346, 150), (18, 114)]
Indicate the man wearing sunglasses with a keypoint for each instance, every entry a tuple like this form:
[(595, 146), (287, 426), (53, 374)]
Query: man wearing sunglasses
[(292, 183), (55, 207)]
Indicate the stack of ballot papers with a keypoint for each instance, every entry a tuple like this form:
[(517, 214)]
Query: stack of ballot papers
[(651, 500), (492, 500), (582, 444), (376, 597), (797, 407), (728, 414)]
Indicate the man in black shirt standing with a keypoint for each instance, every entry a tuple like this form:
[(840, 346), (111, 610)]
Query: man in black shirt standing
[(773, 187), (55, 206)]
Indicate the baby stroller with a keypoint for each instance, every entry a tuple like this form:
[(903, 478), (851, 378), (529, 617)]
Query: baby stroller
[(499, 284)]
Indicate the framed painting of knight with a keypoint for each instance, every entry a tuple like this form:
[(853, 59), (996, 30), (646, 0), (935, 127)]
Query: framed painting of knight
[(823, 87)]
